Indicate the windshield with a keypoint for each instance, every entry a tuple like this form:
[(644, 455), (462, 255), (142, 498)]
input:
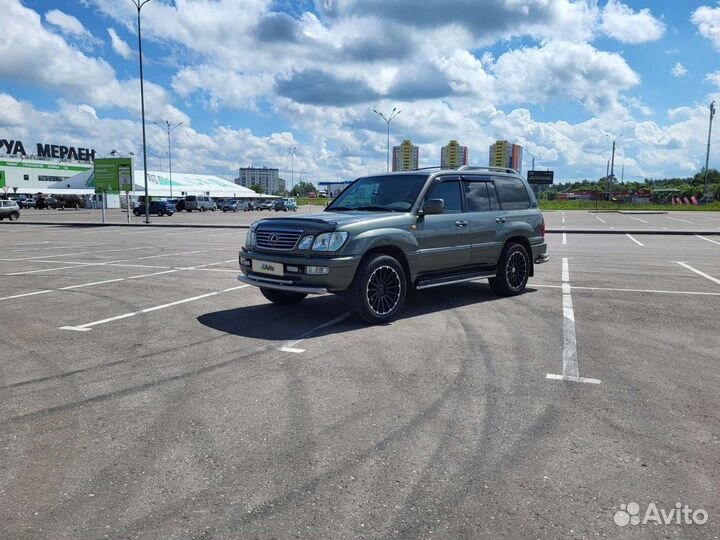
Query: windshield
[(395, 193)]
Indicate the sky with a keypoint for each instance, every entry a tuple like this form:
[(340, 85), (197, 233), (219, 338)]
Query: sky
[(252, 79)]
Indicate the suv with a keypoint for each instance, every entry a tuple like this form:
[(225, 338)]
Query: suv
[(284, 205), (388, 234), (160, 208), (199, 202), (9, 209)]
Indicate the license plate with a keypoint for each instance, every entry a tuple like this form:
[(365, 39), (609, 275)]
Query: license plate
[(265, 267)]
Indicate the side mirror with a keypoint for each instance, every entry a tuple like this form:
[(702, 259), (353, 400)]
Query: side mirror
[(433, 206)]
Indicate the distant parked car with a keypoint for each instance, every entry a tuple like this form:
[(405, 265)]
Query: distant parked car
[(284, 205), (266, 205), (231, 205), (10, 210), (200, 203), (26, 202), (160, 208)]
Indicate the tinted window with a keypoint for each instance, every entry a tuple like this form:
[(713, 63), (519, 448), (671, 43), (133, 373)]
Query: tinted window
[(492, 192), (190, 198), (476, 195), (513, 194), (448, 192)]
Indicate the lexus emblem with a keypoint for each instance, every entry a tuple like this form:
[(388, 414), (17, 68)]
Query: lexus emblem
[(273, 238)]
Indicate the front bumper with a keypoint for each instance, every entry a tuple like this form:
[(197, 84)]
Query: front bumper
[(341, 272)]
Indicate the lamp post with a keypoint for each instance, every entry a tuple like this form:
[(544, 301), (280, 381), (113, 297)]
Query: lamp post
[(707, 154), (388, 119), (292, 150), (167, 127), (139, 4)]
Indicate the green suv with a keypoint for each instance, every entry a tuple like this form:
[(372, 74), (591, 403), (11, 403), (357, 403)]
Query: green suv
[(389, 234)]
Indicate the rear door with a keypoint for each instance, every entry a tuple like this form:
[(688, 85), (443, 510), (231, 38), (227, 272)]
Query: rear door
[(444, 239), (486, 219), (521, 213)]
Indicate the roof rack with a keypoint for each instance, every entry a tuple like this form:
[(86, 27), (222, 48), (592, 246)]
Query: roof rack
[(478, 167), (427, 168)]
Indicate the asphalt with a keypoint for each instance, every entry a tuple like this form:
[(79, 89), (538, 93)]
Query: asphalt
[(144, 395)]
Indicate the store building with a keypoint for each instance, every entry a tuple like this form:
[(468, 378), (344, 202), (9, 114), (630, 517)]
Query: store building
[(32, 175)]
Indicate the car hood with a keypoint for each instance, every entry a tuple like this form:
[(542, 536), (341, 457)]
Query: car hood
[(328, 221)]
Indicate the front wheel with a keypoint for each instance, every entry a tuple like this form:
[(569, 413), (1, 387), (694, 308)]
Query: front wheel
[(513, 271), (282, 297), (378, 292), (14, 216)]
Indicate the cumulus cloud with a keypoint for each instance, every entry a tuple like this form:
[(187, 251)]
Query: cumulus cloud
[(119, 45), (678, 71), (707, 20), (713, 78), (623, 24), (67, 23)]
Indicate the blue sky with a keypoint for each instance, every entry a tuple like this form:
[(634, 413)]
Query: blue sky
[(251, 78)]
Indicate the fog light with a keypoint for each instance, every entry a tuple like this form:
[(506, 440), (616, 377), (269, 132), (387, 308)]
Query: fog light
[(293, 269), (317, 270), (245, 262)]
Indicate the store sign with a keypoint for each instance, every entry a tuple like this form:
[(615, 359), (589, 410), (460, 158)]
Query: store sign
[(17, 148), (2, 179)]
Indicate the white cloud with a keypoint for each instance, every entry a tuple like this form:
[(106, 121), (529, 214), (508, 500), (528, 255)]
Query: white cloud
[(678, 71), (713, 78), (623, 24), (707, 20), (68, 24), (119, 45)]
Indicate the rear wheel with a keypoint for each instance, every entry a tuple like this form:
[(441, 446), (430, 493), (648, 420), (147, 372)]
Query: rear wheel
[(513, 271), (378, 292), (14, 216), (282, 297)]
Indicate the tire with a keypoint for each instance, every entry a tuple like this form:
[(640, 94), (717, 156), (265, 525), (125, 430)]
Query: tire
[(282, 298), (378, 292), (14, 216), (513, 271)]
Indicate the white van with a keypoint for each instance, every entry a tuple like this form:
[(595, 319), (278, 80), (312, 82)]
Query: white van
[(200, 203)]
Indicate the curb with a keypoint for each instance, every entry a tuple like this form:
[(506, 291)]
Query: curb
[(633, 231), (158, 225)]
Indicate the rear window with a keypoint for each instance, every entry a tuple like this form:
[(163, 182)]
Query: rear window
[(191, 198), (512, 193)]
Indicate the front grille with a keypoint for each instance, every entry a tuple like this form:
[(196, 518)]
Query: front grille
[(275, 238)]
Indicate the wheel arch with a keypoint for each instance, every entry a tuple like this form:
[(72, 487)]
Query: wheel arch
[(522, 240)]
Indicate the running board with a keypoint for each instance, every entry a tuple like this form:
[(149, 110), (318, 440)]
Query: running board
[(452, 280)]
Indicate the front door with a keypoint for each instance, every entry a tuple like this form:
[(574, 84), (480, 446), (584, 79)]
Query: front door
[(444, 239)]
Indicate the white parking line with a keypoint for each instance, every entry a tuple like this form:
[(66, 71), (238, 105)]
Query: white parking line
[(617, 289), (564, 238), (601, 219), (73, 254), (708, 239), (89, 326), (638, 219), (571, 371), (290, 345), (636, 241), (45, 291), (683, 220), (698, 272)]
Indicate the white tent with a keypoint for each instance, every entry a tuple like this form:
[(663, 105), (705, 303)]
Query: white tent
[(159, 185)]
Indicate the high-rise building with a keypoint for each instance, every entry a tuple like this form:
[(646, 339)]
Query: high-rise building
[(405, 156), (505, 154), (453, 155), (268, 179)]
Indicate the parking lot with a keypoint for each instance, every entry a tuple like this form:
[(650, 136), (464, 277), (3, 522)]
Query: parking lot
[(146, 393)]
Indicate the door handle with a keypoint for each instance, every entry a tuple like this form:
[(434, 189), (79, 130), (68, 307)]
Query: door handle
[(461, 223), (500, 220)]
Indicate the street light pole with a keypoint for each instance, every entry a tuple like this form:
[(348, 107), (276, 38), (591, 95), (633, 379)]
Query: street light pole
[(707, 154), (388, 119), (139, 4), (167, 127), (291, 151)]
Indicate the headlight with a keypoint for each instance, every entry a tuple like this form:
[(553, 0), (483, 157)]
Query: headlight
[(330, 241), (306, 242), (251, 238)]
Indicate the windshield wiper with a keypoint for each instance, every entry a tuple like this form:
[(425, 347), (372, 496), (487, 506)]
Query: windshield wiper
[(376, 208)]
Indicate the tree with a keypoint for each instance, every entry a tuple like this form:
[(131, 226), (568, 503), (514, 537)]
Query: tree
[(257, 188), (303, 188)]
